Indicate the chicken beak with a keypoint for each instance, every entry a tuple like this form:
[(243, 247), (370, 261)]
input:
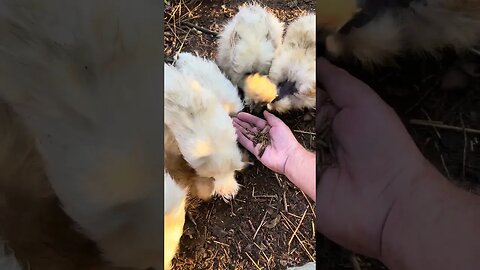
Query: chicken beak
[(285, 89), (270, 105)]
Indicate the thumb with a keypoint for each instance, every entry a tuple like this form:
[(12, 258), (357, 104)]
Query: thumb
[(272, 119), (344, 89)]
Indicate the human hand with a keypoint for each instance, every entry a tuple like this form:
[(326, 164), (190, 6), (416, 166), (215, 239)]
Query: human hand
[(377, 163), (283, 143)]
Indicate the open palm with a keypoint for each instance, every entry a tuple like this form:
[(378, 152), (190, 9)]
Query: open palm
[(282, 141), (377, 160)]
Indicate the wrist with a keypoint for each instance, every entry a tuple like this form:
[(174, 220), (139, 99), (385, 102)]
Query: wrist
[(300, 170), (411, 216), (296, 157)]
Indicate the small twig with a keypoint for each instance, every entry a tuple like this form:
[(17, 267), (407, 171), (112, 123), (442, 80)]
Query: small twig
[(278, 180), (254, 263), (220, 243), (174, 31), (296, 236), (209, 214), (430, 119), (422, 98), (309, 204), (183, 42), (305, 132), (290, 225), (475, 51), (263, 253), (201, 29), (226, 254), (313, 231), (420, 122), (244, 235), (259, 226), (251, 225), (237, 199), (293, 215), (262, 196), (298, 227), (266, 196)]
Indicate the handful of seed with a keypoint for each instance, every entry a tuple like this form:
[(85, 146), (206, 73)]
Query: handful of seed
[(262, 137)]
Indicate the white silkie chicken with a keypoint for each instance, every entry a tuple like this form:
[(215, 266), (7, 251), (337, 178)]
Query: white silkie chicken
[(184, 175), (247, 46), (83, 76), (32, 223), (203, 130), (384, 29), (174, 218), (210, 77), (293, 70)]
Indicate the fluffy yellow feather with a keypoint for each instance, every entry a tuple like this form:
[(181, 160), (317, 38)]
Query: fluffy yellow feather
[(259, 88)]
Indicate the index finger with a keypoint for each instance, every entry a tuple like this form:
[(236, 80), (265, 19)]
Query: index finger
[(246, 142), (344, 89), (252, 119)]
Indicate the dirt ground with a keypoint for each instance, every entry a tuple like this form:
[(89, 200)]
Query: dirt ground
[(437, 99), (269, 225)]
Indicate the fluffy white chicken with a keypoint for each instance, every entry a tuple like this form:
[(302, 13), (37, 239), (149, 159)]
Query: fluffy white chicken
[(184, 175), (293, 70), (174, 218), (32, 223), (83, 76), (398, 26), (248, 44), (210, 77), (203, 131)]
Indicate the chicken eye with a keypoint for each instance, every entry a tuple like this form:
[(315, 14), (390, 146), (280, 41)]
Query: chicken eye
[(268, 36)]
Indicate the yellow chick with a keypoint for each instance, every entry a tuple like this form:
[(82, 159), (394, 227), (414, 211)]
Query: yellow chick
[(259, 89)]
